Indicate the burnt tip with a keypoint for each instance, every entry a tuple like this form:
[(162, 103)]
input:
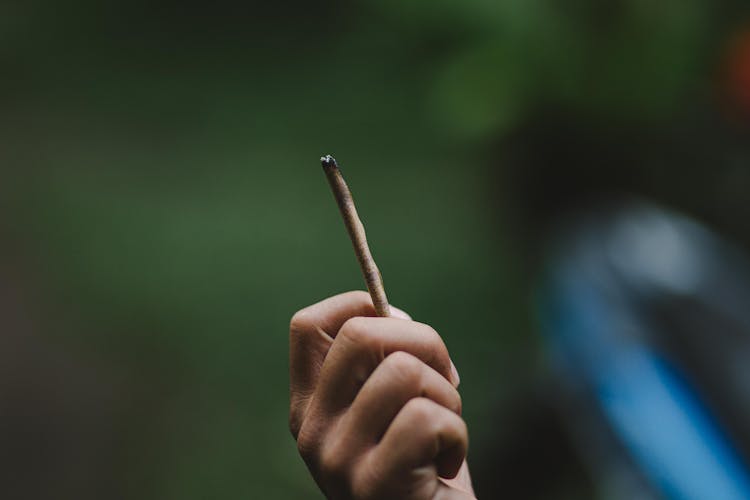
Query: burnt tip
[(328, 161)]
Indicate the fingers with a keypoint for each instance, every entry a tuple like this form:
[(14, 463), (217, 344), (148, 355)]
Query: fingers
[(374, 406), (331, 313), (398, 379), (423, 434), (311, 333), (360, 346)]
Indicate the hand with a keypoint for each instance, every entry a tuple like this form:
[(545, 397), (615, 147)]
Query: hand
[(374, 405)]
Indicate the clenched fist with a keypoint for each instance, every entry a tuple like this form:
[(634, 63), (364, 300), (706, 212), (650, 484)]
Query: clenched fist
[(374, 406)]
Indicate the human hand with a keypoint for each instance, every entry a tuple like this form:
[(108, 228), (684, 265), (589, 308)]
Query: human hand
[(373, 404)]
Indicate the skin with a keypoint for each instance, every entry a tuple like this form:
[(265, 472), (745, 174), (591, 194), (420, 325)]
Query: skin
[(373, 404)]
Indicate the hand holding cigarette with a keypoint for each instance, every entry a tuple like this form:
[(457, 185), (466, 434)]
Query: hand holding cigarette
[(374, 407)]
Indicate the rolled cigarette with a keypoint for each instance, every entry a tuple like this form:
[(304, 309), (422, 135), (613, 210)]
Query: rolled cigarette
[(357, 234)]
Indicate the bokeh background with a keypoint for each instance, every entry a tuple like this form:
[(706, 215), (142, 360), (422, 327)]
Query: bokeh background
[(163, 212)]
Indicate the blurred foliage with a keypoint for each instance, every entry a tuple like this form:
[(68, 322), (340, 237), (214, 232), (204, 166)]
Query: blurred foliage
[(162, 190)]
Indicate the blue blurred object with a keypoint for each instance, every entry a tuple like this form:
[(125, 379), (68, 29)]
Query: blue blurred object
[(646, 316)]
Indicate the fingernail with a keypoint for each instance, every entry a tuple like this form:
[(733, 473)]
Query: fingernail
[(454, 374), (398, 313)]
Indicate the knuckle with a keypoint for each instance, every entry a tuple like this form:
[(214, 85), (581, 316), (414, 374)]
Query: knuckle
[(452, 425), (429, 332), (405, 366), (334, 462), (462, 432), (368, 482), (420, 412), (439, 353), (301, 321), (357, 330), (432, 338), (453, 401), (307, 445)]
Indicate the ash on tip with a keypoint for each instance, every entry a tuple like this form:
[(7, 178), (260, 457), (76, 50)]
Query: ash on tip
[(328, 161)]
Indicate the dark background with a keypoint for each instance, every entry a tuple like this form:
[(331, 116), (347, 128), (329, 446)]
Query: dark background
[(163, 212)]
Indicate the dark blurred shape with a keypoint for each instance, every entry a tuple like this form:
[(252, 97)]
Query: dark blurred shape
[(646, 316), (532, 455)]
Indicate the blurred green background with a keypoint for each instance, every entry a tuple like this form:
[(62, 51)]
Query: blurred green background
[(164, 212)]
